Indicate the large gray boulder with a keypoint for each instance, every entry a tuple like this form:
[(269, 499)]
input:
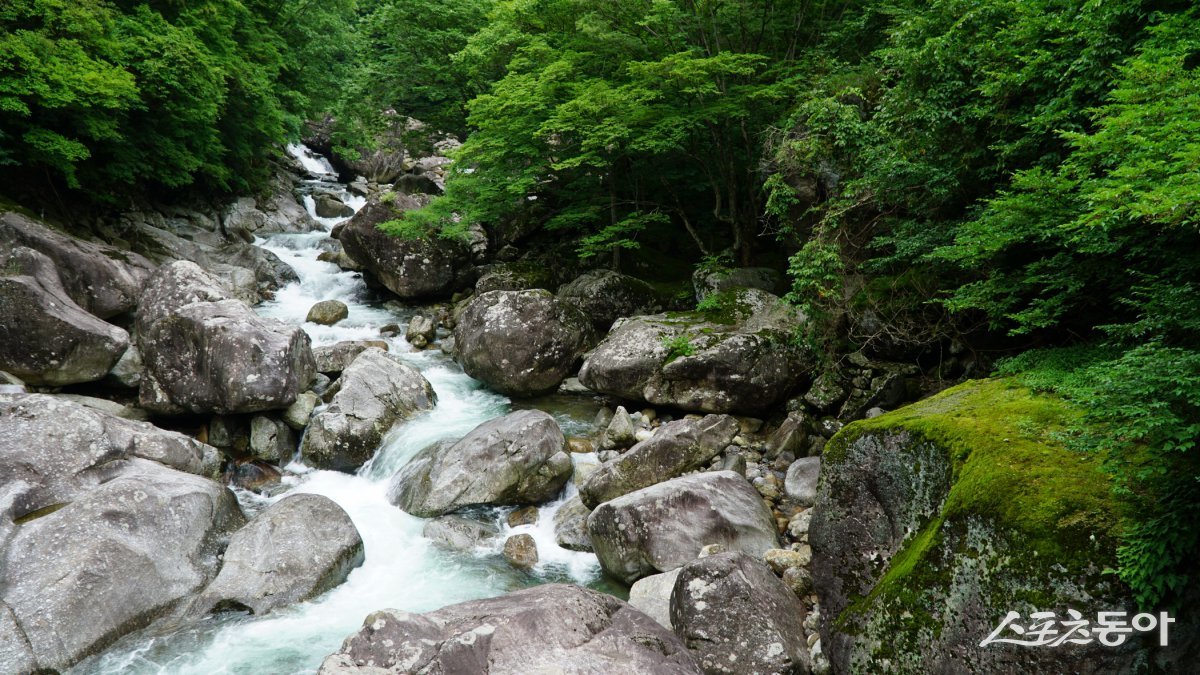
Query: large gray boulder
[(801, 481), (606, 295), (55, 454), (206, 353), (521, 343), (659, 528), (738, 356), (51, 447), (372, 395), (709, 282), (675, 448), (333, 359), (45, 337), (109, 560), (570, 526), (412, 268), (103, 280), (328, 312), (934, 521), (328, 206), (554, 628), (516, 459), (296, 549), (737, 617)]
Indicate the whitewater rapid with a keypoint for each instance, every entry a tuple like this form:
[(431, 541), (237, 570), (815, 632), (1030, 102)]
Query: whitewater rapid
[(402, 570)]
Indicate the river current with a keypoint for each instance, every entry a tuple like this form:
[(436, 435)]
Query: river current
[(402, 570)]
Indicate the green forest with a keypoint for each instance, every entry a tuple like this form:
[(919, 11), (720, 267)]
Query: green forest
[(1020, 178)]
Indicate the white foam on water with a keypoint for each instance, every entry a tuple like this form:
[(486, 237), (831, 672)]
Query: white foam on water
[(401, 569), (316, 165)]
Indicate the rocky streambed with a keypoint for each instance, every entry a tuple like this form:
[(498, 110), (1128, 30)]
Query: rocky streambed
[(347, 474)]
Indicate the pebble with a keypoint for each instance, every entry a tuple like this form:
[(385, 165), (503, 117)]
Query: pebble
[(527, 515), (781, 559), (798, 526), (520, 550), (579, 445)]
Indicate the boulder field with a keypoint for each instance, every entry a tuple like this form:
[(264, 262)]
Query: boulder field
[(109, 524), (769, 512), (735, 356)]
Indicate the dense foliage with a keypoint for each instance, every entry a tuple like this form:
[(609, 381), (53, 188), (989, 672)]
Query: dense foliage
[(114, 98), (938, 171), (618, 122), (407, 65), (1020, 174)]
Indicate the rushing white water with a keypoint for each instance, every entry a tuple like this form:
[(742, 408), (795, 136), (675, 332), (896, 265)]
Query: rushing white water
[(314, 164), (401, 569)]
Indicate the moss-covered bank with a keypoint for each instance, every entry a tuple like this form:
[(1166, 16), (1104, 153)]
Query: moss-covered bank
[(937, 519)]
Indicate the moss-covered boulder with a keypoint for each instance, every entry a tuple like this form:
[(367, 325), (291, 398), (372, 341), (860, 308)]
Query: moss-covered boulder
[(734, 354), (934, 521), (606, 295), (410, 267), (515, 276), (712, 281)]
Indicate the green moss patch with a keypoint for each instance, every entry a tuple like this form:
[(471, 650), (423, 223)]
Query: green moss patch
[(1009, 469)]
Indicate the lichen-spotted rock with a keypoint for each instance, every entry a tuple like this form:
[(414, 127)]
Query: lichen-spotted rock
[(516, 459), (521, 343), (205, 352), (376, 392), (553, 628), (659, 528), (736, 356), (934, 521)]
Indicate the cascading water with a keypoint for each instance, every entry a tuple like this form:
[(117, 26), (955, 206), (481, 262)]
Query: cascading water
[(402, 569)]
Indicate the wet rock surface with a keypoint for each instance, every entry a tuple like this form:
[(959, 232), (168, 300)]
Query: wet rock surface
[(662, 527), (516, 459), (456, 533), (296, 549), (375, 392), (559, 628)]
